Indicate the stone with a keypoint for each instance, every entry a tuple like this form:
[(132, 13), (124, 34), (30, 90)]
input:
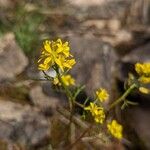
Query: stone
[(111, 25), (7, 3), (12, 59), (23, 124), (138, 122), (139, 13), (44, 102), (87, 3), (117, 38), (100, 9), (140, 54), (95, 63)]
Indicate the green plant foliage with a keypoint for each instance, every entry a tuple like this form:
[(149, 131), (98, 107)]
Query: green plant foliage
[(26, 32), (24, 25)]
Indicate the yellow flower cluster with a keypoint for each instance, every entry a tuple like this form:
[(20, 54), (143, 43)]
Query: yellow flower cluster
[(66, 79), (144, 79), (143, 71), (55, 53), (102, 94), (115, 129), (144, 90), (97, 112)]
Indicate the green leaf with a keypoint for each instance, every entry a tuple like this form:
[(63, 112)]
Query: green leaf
[(132, 103), (124, 105), (78, 90)]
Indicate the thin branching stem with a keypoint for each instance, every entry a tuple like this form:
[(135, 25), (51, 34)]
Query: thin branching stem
[(122, 98)]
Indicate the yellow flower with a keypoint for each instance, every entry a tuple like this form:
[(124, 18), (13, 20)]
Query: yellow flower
[(68, 80), (144, 76), (64, 48), (144, 79), (92, 108), (143, 69), (97, 112), (144, 90), (55, 53), (65, 63), (56, 81), (102, 94), (43, 67), (115, 129), (99, 116)]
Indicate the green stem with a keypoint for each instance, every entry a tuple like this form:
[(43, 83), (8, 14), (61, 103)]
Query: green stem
[(80, 105), (120, 99), (80, 137), (71, 104), (47, 76), (67, 91)]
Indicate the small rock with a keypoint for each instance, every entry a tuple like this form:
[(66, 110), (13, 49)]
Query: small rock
[(12, 59), (112, 25), (117, 37), (137, 119), (141, 54), (100, 9), (23, 124), (43, 101), (87, 3), (7, 3), (84, 3)]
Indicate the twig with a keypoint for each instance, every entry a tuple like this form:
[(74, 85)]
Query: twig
[(75, 119), (120, 99), (80, 137)]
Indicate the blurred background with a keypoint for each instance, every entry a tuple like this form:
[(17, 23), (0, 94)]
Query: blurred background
[(107, 37)]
